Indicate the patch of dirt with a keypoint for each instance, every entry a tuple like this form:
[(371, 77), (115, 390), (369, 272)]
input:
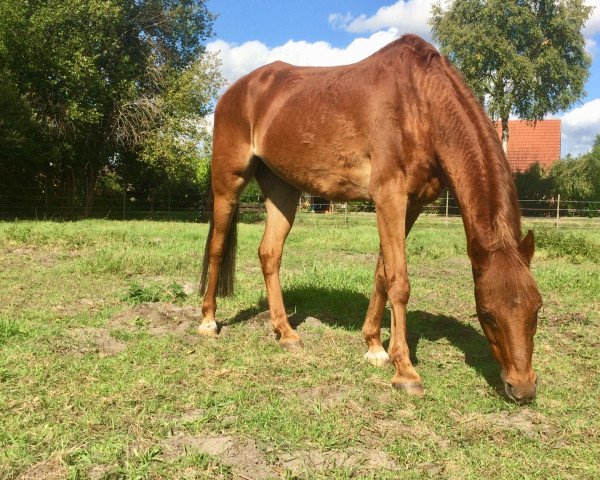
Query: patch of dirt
[(249, 461), (50, 469), (159, 318), (98, 471), (41, 255), (82, 305), (242, 455), (531, 424), (191, 415), (407, 426), (306, 462), (190, 288), (525, 421), (87, 340), (310, 323), (327, 396), (262, 322), (364, 258)]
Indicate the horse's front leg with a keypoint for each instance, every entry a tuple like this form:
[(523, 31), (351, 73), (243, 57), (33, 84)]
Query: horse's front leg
[(376, 354), (392, 206)]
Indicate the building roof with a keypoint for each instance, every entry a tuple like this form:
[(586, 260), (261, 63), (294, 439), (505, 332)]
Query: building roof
[(529, 143)]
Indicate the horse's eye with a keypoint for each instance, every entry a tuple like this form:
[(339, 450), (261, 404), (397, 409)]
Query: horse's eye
[(488, 318)]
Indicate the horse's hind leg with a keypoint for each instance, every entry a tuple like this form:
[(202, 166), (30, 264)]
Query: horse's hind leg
[(281, 202), (232, 167), (376, 355)]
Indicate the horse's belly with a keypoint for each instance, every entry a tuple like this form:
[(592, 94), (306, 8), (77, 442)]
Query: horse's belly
[(340, 178)]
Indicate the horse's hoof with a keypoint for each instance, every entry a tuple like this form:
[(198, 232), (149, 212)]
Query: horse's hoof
[(292, 345), (208, 329), (377, 358), (412, 388)]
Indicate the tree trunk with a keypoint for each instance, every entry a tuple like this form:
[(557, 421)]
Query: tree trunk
[(46, 197), (73, 191), (90, 190), (505, 135)]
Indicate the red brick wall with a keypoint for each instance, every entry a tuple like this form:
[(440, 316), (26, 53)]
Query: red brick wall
[(529, 143)]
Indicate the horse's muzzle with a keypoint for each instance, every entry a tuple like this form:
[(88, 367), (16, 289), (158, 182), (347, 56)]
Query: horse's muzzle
[(522, 393)]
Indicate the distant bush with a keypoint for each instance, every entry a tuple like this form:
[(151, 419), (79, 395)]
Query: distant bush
[(574, 178), (569, 245)]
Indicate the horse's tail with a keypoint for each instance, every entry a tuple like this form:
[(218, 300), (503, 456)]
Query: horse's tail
[(227, 265)]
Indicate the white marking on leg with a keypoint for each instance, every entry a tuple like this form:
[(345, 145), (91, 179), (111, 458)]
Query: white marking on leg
[(377, 358), (208, 328)]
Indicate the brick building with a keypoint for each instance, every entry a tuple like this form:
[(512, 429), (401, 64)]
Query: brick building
[(529, 143)]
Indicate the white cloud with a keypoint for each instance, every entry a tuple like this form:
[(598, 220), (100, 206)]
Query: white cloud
[(590, 46), (239, 60), (593, 24), (408, 16), (339, 21), (411, 16), (579, 128)]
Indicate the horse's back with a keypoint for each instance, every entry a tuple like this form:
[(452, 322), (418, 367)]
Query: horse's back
[(327, 119)]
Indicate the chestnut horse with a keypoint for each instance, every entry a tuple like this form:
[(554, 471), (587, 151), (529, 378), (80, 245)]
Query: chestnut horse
[(395, 128)]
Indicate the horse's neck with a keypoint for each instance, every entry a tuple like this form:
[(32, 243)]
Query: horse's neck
[(473, 161), (482, 184)]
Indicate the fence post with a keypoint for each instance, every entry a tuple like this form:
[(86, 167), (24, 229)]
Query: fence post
[(557, 210), (46, 199), (447, 197)]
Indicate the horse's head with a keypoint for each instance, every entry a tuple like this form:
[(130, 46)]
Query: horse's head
[(508, 301)]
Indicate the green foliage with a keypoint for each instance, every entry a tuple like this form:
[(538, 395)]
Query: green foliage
[(179, 147), (534, 183), (93, 87), (153, 292), (572, 246), (579, 178), (574, 178), (251, 193), (525, 58), (20, 143)]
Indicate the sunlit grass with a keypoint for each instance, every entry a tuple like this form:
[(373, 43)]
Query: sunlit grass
[(85, 414)]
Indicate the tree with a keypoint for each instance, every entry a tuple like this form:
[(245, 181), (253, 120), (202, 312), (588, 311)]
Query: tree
[(95, 74), (579, 178), (534, 183), (521, 57), (178, 147)]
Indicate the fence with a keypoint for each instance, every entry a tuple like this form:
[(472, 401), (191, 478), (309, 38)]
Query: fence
[(33, 203), (558, 211)]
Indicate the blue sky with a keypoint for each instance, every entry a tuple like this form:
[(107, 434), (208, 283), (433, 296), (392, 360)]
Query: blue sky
[(250, 33)]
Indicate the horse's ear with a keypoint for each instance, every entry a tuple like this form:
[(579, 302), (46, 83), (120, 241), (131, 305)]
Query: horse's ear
[(527, 246), (479, 255)]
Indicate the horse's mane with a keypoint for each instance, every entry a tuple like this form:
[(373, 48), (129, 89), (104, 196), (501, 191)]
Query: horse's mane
[(495, 168), (507, 219)]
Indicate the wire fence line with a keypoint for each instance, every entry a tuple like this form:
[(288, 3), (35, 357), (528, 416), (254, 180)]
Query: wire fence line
[(32, 203)]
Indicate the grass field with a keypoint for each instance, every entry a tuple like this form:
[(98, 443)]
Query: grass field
[(103, 376)]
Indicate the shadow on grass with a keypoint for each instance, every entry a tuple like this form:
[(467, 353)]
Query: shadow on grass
[(346, 309), (466, 338)]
